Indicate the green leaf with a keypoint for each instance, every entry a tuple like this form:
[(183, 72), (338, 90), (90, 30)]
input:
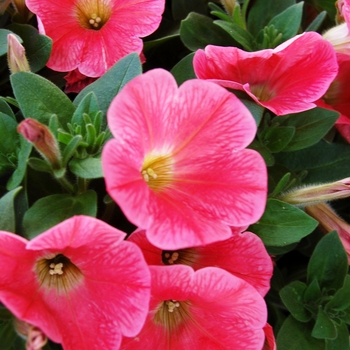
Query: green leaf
[(40, 165), (183, 70), (38, 47), (317, 22), (3, 40), (51, 210), (313, 296), (70, 149), (281, 184), (239, 34), (324, 327), (295, 335), (7, 211), (288, 21), (341, 299), (8, 134), (328, 263), (292, 296), (198, 31), (283, 224), (88, 168), (88, 105), (277, 138), (264, 152), (108, 86), (7, 335), (310, 127), (38, 98), (263, 11), (22, 156), (342, 340), (324, 162), (6, 109), (327, 5)]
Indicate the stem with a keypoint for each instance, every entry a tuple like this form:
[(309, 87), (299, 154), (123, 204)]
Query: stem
[(82, 185), (66, 184), (244, 12)]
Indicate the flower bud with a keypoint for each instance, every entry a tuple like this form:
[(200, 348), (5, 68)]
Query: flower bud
[(318, 193), (35, 338), (339, 37), (330, 221), (16, 57), (229, 5), (42, 139)]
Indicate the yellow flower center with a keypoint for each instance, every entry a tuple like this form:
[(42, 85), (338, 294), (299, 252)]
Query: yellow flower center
[(93, 14), (58, 272), (157, 172), (262, 92), (170, 313)]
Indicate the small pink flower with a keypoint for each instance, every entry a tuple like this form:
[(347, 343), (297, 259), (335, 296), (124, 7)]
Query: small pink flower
[(178, 166), (287, 79), (206, 309), (76, 81), (244, 255), (79, 282), (92, 35)]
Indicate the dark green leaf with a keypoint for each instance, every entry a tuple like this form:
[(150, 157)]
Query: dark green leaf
[(283, 224), (183, 70), (316, 23), (324, 327), (51, 210), (324, 162), (313, 296), (292, 296), (342, 340), (341, 299), (37, 46), (264, 152), (6, 109), (7, 335), (40, 165), (328, 263), (108, 86), (198, 31), (239, 34), (87, 105), (288, 21), (7, 211), (263, 11), (22, 156), (295, 335), (277, 138), (8, 134), (88, 168), (38, 98), (310, 126), (70, 149)]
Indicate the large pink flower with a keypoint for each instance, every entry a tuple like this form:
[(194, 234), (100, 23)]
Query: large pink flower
[(287, 79), (79, 282), (337, 96), (206, 309), (92, 35), (244, 255), (177, 166)]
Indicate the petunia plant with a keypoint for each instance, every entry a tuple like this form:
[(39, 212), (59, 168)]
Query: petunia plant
[(174, 174)]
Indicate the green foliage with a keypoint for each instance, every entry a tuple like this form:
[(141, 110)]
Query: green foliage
[(51, 210), (3, 40), (283, 224), (183, 70), (198, 31), (107, 87), (38, 98), (7, 211)]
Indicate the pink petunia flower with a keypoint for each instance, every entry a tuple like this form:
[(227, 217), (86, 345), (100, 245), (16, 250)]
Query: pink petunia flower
[(177, 166), (244, 255), (287, 79), (337, 96), (79, 282), (206, 309), (92, 35)]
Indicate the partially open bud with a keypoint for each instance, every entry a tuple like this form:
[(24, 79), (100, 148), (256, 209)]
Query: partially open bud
[(318, 193), (339, 37), (229, 5), (330, 221), (16, 55), (35, 338), (42, 139)]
